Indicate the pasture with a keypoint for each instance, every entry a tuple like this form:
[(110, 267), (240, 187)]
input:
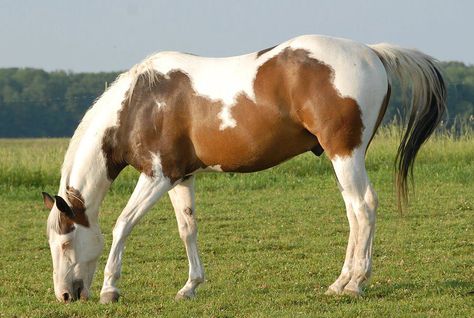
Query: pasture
[(271, 242)]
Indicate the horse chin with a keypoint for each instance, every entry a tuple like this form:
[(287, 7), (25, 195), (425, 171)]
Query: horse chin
[(84, 295)]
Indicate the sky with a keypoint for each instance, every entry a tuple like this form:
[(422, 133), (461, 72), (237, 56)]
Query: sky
[(104, 35)]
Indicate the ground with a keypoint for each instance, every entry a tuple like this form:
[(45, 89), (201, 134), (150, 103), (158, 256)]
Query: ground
[(271, 242)]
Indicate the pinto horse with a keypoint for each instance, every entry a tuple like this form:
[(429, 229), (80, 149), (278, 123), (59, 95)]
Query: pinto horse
[(174, 115)]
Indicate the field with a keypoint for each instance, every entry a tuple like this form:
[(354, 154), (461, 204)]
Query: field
[(270, 242)]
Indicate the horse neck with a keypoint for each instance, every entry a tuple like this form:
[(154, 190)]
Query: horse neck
[(84, 167), (88, 177)]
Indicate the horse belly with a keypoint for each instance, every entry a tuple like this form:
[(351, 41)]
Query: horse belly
[(251, 148)]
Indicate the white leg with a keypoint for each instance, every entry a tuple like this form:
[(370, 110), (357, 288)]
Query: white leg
[(346, 273), (362, 200), (147, 191), (182, 198)]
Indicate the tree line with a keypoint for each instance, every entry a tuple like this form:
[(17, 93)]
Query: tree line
[(36, 103)]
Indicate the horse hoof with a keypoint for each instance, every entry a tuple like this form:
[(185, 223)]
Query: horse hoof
[(332, 292), (184, 296), (352, 293), (109, 297)]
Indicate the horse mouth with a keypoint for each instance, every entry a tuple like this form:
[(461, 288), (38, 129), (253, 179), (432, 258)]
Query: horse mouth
[(78, 296), (78, 287)]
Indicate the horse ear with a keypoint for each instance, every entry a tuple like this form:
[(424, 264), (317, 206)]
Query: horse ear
[(64, 207), (48, 200)]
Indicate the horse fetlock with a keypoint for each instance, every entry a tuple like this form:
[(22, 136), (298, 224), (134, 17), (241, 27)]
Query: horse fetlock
[(345, 277), (197, 280), (189, 289), (362, 270), (112, 276)]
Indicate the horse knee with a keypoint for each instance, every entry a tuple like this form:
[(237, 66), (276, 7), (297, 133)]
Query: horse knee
[(121, 230), (185, 232), (365, 209), (187, 226)]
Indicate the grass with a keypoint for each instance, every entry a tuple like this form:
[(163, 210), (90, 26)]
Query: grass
[(270, 242)]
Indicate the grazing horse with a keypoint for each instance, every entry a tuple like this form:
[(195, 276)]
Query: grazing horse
[(174, 115)]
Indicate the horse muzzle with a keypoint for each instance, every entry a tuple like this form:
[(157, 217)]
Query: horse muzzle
[(77, 292)]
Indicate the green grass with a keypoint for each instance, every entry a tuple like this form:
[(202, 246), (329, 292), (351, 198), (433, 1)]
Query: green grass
[(270, 242)]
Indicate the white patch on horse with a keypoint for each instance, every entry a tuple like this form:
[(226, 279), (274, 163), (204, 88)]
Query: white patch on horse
[(159, 104), (227, 121), (156, 166), (213, 168)]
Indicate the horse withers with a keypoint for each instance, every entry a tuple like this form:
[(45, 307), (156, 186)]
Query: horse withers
[(175, 115)]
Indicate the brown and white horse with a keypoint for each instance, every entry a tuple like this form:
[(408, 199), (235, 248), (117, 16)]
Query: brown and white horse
[(174, 115)]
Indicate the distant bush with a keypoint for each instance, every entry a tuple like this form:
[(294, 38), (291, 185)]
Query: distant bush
[(35, 103)]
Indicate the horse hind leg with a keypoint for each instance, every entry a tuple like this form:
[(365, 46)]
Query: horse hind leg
[(346, 273), (361, 205), (182, 198)]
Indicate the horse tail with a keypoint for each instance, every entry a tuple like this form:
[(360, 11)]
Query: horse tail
[(422, 79)]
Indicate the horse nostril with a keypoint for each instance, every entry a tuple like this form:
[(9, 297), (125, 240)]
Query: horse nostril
[(66, 297)]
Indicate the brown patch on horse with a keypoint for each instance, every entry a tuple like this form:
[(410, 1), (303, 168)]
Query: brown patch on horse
[(296, 109), (66, 216), (65, 224), (335, 121), (78, 206), (143, 129), (261, 52), (114, 161)]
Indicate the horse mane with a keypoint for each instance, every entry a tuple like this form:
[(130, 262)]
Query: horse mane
[(74, 144), (144, 70)]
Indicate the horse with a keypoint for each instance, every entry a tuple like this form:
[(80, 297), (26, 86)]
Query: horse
[(174, 115)]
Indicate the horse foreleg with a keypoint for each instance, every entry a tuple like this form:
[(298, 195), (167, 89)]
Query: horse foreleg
[(147, 191), (182, 198), (361, 198)]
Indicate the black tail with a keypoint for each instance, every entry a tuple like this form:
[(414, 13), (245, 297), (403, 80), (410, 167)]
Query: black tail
[(419, 74)]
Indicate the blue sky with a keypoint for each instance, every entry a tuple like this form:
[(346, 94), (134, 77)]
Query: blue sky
[(113, 35)]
